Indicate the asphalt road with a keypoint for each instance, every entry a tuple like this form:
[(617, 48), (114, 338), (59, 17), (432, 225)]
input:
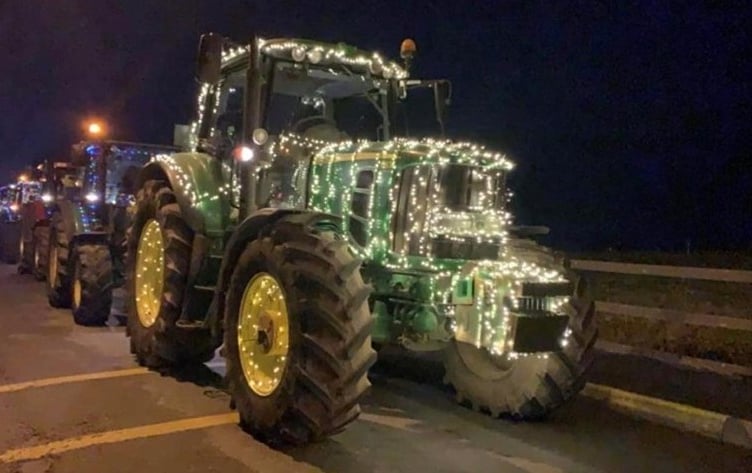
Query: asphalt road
[(114, 417)]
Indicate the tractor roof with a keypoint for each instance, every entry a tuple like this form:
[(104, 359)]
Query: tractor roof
[(125, 145), (320, 53)]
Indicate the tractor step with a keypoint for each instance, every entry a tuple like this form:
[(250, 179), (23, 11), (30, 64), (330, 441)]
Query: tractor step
[(205, 288), (190, 324)]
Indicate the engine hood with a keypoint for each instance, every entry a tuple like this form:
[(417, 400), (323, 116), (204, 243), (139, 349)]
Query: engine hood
[(426, 150)]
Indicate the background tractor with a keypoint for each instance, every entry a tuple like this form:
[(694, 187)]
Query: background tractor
[(14, 198), (59, 181), (255, 240), (87, 226)]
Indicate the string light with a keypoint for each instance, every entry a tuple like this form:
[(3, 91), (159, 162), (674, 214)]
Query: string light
[(321, 54)]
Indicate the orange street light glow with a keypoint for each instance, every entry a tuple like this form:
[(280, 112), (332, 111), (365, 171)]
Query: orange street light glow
[(95, 128)]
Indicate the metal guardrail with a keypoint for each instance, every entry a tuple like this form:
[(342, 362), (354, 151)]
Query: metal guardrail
[(670, 315), (684, 272)]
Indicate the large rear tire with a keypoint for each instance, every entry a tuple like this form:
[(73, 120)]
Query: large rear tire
[(91, 299), (58, 272), (321, 373), (527, 387), (154, 305)]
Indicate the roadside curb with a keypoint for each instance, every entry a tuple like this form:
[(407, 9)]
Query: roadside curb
[(721, 427)]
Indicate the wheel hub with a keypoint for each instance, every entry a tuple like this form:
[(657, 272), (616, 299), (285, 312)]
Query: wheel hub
[(149, 273), (263, 334)]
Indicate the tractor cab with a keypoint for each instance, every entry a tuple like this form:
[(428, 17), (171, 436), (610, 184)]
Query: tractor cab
[(108, 170), (60, 180), (270, 106)]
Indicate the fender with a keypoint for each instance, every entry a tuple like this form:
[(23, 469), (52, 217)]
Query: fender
[(81, 222), (246, 231), (196, 179)]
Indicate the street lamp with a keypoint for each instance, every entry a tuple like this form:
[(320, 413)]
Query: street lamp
[(95, 129)]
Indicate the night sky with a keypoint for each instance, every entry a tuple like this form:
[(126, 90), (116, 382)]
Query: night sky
[(630, 124)]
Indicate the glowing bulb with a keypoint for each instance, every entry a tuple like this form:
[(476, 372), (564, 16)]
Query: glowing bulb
[(246, 154), (92, 197), (95, 128), (46, 198), (315, 56), (299, 53)]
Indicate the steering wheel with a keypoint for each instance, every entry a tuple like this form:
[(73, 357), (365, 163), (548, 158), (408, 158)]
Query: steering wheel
[(310, 121)]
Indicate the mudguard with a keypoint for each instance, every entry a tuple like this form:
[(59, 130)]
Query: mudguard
[(196, 179), (81, 221)]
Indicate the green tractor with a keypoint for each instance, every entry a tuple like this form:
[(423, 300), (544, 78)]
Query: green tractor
[(300, 232), (87, 225)]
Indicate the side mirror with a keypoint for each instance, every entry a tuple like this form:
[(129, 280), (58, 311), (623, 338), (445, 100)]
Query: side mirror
[(442, 97), (209, 61)]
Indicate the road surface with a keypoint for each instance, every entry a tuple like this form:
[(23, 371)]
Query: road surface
[(72, 400)]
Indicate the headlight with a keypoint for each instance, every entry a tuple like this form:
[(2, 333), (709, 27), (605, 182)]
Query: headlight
[(14, 207), (92, 197), (46, 198)]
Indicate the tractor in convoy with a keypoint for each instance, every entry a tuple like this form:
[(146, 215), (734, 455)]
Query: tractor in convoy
[(59, 180), (310, 223), (87, 226), (15, 197)]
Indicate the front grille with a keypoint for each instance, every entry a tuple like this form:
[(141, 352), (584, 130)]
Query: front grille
[(533, 304)]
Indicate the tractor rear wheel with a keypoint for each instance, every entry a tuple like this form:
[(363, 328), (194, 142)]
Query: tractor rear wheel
[(158, 259), (529, 387), (40, 248), (58, 274), (12, 242), (297, 333), (91, 284)]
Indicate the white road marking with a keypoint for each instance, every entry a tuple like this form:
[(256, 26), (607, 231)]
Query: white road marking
[(116, 436), (39, 383)]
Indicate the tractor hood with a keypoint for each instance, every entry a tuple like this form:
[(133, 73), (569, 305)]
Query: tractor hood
[(425, 151)]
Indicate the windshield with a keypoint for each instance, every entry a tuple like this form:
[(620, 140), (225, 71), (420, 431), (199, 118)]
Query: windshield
[(338, 105), (469, 188), (323, 103)]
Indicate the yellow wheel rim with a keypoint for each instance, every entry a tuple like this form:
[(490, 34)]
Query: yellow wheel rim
[(263, 334), (76, 293), (149, 277)]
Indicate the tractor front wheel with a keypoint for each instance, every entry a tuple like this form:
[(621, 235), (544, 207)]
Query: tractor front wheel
[(528, 387), (297, 333), (158, 259), (91, 286)]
